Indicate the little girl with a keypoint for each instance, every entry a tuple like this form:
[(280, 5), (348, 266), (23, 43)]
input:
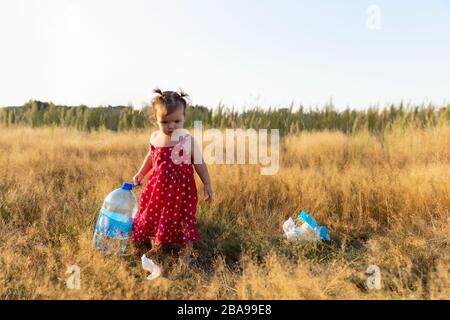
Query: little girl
[(168, 203)]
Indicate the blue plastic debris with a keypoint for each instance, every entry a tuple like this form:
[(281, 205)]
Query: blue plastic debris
[(320, 231), (303, 216), (323, 233)]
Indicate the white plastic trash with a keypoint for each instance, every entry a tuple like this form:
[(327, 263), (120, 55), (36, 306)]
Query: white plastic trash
[(308, 233), (151, 267), (303, 233), (291, 231)]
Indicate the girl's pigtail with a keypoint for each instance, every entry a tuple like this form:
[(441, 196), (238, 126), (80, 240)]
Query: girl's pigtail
[(184, 97), (158, 91)]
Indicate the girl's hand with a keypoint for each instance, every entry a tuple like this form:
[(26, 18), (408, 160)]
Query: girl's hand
[(138, 178), (208, 192)]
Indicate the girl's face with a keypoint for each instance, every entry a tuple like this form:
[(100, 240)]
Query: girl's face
[(169, 123)]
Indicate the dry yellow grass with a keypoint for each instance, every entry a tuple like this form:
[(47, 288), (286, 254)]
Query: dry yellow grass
[(385, 199)]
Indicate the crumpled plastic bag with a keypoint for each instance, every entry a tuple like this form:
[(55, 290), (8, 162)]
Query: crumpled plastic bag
[(291, 231), (302, 233), (308, 231), (151, 267)]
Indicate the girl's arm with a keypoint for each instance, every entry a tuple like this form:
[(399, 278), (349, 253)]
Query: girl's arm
[(202, 171), (146, 165), (145, 168)]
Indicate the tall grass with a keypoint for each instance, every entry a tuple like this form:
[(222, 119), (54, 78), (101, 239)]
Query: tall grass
[(288, 120), (385, 199)]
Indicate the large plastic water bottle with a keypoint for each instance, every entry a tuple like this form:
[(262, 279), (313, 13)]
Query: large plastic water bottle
[(115, 220)]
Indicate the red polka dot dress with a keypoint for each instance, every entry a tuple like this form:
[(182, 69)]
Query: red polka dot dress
[(168, 202)]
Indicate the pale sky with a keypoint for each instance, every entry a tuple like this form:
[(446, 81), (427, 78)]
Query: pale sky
[(242, 53)]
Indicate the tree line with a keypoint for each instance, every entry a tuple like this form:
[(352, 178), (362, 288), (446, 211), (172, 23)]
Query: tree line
[(121, 118)]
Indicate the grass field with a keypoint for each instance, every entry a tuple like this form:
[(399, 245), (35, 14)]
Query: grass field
[(385, 199)]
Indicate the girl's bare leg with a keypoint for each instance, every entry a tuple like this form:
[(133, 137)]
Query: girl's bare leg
[(155, 249), (185, 253)]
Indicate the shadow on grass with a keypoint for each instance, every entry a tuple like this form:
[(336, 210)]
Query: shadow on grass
[(222, 238), (217, 238)]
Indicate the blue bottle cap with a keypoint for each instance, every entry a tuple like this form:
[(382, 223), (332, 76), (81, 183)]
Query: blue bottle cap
[(127, 186)]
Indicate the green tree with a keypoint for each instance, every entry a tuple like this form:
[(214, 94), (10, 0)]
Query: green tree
[(12, 117), (123, 122), (34, 115)]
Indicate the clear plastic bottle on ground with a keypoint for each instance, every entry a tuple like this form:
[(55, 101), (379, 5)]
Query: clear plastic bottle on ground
[(115, 220)]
